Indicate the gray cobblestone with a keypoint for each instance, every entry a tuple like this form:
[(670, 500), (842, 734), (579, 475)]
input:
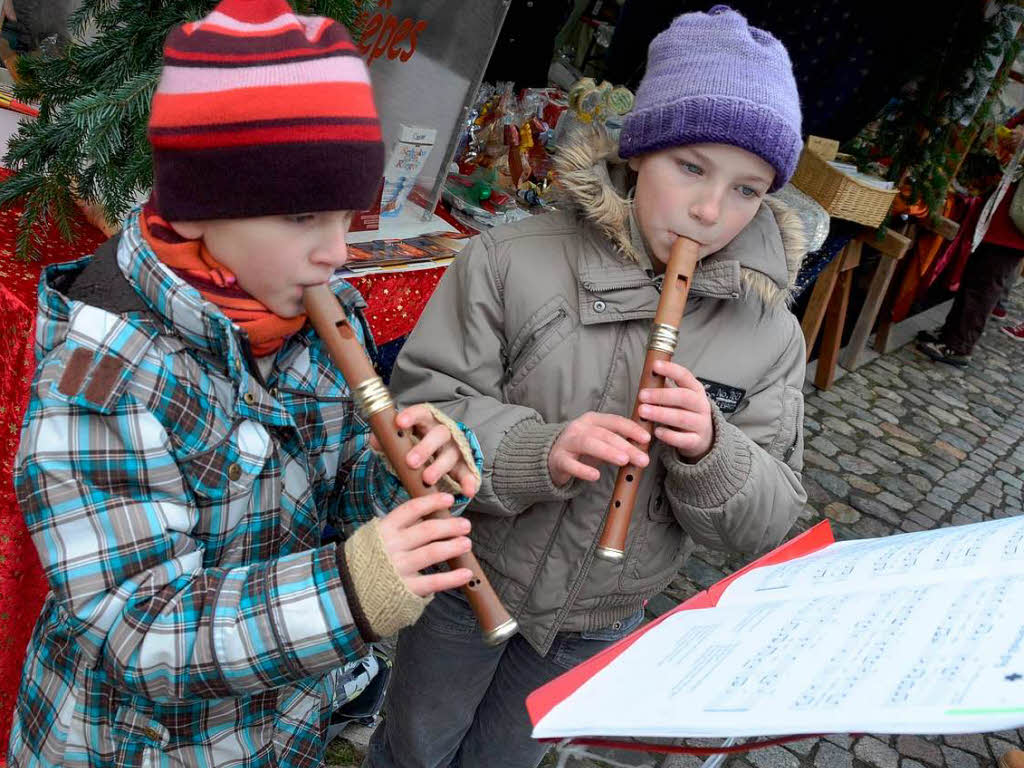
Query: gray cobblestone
[(824, 446), (857, 465), (957, 758), (920, 749), (969, 742), (831, 756), (773, 757), (874, 752)]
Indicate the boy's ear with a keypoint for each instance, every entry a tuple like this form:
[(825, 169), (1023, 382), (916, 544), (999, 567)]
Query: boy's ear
[(190, 230)]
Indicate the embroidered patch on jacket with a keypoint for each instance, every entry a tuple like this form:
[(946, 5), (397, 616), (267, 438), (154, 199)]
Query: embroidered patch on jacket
[(725, 397)]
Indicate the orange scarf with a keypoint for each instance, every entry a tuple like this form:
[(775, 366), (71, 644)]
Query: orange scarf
[(193, 263)]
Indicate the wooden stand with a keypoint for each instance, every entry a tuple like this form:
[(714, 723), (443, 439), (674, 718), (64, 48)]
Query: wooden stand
[(831, 297), (945, 228)]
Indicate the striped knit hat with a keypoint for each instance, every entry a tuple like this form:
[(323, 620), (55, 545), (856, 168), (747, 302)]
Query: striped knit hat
[(259, 112)]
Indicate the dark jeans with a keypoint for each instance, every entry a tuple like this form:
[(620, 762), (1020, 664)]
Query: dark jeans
[(455, 702), (985, 278)]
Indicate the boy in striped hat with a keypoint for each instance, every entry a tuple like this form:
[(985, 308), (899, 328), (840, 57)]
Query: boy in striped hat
[(187, 437)]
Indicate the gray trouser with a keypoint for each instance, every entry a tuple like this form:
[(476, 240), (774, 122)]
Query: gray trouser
[(455, 702)]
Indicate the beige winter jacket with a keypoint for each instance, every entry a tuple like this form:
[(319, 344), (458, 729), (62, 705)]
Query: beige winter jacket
[(537, 323)]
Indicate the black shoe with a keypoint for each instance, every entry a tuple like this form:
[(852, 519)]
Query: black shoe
[(940, 353), (929, 337)]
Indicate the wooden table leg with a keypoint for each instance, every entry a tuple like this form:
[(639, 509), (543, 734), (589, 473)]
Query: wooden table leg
[(833, 335), (815, 312), (854, 356)]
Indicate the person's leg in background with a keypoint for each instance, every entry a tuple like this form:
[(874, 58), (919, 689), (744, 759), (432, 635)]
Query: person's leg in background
[(984, 281)]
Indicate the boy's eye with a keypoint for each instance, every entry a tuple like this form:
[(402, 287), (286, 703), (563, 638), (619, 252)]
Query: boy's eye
[(302, 218), (691, 167), (748, 192)]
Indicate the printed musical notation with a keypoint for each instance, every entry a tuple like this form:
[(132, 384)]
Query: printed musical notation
[(823, 643)]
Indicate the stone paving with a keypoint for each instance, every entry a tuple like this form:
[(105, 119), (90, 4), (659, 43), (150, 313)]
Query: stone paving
[(902, 444)]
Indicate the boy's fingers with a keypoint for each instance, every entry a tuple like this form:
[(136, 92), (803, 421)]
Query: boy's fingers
[(675, 418), (413, 415), (425, 531), (434, 553), (578, 469), (633, 454), (594, 446), (430, 443), (466, 479), (675, 397), (428, 584), (405, 514), (681, 441), (680, 375), (620, 425)]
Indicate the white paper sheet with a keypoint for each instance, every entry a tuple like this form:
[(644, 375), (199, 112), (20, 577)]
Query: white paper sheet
[(895, 655)]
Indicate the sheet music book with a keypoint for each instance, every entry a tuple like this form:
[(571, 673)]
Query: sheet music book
[(913, 633)]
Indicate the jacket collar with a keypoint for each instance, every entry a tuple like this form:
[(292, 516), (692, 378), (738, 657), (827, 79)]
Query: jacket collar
[(762, 261)]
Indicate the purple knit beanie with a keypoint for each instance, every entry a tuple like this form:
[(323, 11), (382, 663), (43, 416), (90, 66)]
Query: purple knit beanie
[(713, 78)]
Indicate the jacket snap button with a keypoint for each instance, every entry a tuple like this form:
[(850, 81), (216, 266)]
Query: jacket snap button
[(249, 398), (599, 306), (273, 392), (151, 733), (234, 472), (617, 625)]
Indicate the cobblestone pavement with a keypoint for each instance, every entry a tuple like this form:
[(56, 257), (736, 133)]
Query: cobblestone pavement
[(902, 444)]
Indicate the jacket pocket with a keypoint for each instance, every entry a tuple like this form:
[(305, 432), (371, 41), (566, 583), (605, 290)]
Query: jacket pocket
[(535, 339), (223, 480), (615, 631), (139, 740), (658, 509)]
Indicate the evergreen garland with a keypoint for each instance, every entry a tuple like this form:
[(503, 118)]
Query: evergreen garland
[(921, 132), (89, 140)]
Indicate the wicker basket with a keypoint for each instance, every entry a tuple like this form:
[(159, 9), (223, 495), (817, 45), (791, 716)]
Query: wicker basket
[(844, 197)]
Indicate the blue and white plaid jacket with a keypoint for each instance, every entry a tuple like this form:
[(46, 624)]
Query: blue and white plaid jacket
[(177, 505)]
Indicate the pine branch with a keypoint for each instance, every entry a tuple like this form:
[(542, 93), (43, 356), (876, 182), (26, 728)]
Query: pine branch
[(89, 139)]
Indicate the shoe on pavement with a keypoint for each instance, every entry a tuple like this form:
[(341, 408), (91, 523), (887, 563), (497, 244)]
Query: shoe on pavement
[(1013, 758), (934, 337), (1015, 332), (941, 353)]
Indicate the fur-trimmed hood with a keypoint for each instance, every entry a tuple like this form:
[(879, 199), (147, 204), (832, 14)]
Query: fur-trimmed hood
[(592, 180)]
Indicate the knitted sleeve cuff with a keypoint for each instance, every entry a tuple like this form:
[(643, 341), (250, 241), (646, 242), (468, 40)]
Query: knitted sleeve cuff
[(520, 476), (381, 604), (717, 477)]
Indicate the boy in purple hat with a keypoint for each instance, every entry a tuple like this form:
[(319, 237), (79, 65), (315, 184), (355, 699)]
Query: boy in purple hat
[(536, 338)]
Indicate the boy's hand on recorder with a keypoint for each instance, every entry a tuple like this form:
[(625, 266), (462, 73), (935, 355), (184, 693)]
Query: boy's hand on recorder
[(682, 409), (595, 436), (436, 447), (412, 542)]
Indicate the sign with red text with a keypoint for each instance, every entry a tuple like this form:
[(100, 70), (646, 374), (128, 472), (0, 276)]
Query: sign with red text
[(426, 59)]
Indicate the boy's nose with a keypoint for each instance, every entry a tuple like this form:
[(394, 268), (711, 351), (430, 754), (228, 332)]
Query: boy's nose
[(333, 249), (706, 210)]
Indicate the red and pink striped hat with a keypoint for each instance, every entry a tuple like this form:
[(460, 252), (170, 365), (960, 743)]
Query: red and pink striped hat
[(260, 111)]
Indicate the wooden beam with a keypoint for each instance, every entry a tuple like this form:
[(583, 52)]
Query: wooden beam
[(943, 227), (854, 356), (833, 334), (815, 312), (893, 244)]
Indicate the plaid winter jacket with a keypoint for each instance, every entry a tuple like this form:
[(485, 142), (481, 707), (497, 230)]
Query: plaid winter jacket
[(177, 503)]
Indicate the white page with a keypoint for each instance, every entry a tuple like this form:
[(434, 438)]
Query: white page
[(943, 658), (958, 553)]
